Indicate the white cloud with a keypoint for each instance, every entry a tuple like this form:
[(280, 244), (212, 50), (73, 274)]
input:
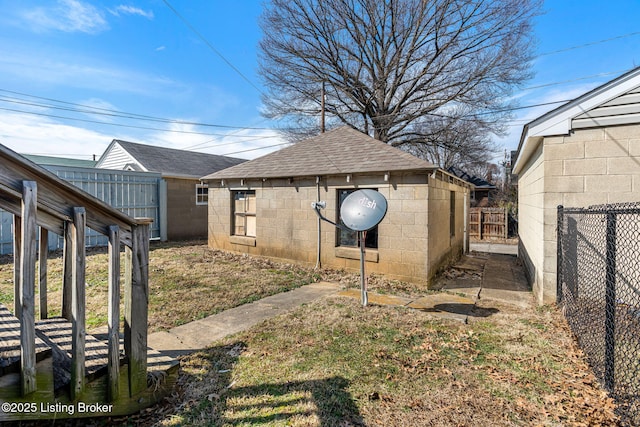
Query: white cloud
[(37, 135), (131, 10), (68, 16)]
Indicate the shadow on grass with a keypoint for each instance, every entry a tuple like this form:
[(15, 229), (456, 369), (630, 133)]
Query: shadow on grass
[(324, 402)]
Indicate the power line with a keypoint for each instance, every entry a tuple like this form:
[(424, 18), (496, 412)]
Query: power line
[(112, 113), (105, 123), (589, 44), (256, 149), (210, 45), (574, 80)]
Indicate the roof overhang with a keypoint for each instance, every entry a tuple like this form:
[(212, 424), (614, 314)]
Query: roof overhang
[(560, 121)]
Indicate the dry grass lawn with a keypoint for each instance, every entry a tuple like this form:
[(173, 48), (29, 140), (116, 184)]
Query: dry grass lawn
[(335, 363)]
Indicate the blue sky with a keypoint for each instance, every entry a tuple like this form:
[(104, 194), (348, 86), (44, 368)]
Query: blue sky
[(140, 58)]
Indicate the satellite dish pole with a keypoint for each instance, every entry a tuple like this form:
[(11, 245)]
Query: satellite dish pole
[(362, 237), (360, 211)]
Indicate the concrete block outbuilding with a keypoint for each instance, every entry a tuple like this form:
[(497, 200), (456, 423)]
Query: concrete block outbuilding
[(263, 207)]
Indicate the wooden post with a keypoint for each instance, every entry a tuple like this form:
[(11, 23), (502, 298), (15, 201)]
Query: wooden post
[(17, 252), (506, 223), (113, 364), (136, 306), (78, 304), (67, 270), (42, 270), (27, 288)]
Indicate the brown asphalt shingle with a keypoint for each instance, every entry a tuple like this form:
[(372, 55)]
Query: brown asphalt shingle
[(340, 151)]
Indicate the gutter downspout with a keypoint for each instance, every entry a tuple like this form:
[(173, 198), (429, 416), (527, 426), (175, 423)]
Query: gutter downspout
[(318, 261)]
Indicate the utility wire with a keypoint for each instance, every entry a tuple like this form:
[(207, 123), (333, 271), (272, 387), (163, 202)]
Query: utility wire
[(110, 112), (256, 149), (553, 52), (105, 123), (210, 45)]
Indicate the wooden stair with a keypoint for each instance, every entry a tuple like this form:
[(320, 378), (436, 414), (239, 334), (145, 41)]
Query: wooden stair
[(10, 343), (56, 361), (53, 355)]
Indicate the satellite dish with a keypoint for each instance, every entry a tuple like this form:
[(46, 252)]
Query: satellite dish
[(363, 209)]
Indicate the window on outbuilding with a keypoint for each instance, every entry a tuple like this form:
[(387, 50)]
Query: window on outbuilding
[(244, 213), (347, 237), (202, 194)]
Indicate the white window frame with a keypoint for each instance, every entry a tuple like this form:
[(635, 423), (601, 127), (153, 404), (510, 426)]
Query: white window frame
[(200, 201)]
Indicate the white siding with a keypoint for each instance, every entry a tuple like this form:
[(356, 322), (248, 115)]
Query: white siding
[(117, 158)]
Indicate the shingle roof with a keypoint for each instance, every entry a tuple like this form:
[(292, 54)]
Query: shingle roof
[(169, 161), (340, 151), (478, 182)]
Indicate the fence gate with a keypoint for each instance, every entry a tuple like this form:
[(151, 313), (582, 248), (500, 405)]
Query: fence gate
[(488, 223), (599, 288)]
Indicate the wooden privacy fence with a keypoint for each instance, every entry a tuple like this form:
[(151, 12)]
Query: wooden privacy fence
[(137, 194), (488, 223)]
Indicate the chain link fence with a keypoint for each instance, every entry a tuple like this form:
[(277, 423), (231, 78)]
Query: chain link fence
[(599, 290)]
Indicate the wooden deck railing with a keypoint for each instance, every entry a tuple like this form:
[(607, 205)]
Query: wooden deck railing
[(36, 197)]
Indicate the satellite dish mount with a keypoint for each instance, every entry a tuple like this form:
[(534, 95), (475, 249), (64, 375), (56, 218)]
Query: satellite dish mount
[(360, 211)]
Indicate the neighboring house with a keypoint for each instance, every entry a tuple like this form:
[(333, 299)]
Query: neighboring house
[(586, 152), (186, 195), (263, 207), (482, 189)]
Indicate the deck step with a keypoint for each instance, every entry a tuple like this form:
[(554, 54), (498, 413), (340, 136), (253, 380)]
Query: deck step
[(56, 333), (10, 343)]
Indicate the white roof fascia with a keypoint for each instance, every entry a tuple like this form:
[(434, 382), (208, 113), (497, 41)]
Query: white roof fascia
[(558, 121)]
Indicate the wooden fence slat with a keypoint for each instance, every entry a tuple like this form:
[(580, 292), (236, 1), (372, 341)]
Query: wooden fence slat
[(78, 304), (27, 289), (113, 364), (42, 270)]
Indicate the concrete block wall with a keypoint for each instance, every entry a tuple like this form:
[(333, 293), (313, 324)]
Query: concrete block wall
[(287, 226), (587, 167), (531, 220), (185, 219), (444, 248)]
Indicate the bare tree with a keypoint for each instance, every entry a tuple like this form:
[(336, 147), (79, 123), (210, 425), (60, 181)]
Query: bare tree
[(413, 73)]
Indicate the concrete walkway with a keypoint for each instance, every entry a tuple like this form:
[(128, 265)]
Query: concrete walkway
[(494, 248), (201, 333), (476, 276)]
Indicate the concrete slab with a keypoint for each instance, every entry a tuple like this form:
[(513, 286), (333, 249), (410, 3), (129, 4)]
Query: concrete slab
[(504, 280), (304, 295), (373, 298), (494, 248)]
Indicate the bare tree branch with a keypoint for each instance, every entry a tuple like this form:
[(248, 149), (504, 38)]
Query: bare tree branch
[(413, 73)]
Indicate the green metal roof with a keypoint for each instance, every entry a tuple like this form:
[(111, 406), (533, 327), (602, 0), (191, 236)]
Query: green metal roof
[(60, 161)]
